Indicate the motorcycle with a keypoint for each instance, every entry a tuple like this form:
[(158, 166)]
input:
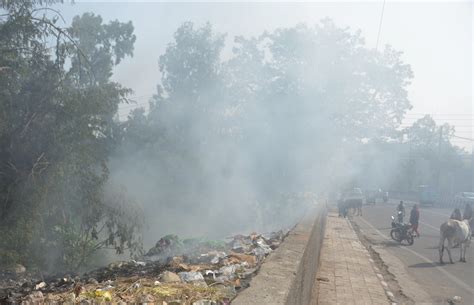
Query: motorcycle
[(400, 216), (401, 232)]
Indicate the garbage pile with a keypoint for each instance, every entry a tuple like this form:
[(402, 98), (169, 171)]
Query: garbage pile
[(173, 272)]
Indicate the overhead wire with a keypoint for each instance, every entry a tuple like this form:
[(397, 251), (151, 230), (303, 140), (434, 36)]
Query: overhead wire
[(463, 138), (438, 113), (445, 119), (380, 27)]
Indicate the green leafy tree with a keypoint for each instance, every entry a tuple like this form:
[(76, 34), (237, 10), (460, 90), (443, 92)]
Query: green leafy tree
[(322, 93), (56, 134), (99, 47), (273, 118), (422, 154), (431, 159)]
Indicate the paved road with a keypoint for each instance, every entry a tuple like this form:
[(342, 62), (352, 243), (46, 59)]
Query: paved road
[(421, 259)]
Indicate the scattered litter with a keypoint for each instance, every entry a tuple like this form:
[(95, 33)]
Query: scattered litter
[(35, 297), (138, 263), (40, 285), (322, 279), (191, 276), (211, 272), (228, 270), (173, 272), (454, 300)]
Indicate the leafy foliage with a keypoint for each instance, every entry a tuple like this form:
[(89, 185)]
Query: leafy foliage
[(56, 135), (299, 108), (432, 160), (294, 109), (281, 92), (226, 135)]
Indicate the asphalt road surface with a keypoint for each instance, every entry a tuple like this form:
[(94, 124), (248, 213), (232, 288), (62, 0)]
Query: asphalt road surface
[(422, 259)]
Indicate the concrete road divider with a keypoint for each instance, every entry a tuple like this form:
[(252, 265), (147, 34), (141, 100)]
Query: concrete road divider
[(288, 274)]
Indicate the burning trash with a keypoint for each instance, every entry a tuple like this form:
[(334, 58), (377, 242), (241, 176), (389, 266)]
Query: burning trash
[(174, 271)]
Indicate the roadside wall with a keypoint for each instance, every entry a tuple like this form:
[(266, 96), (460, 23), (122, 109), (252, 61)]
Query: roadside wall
[(288, 274)]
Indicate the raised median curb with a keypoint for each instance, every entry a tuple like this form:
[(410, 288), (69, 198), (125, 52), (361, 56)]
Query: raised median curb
[(347, 273), (288, 274)]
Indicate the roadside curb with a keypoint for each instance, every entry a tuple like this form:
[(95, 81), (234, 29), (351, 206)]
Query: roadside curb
[(288, 274), (346, 275), (388, 292)]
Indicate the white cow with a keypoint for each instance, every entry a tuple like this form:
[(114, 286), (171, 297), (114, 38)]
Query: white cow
[(456, 232)]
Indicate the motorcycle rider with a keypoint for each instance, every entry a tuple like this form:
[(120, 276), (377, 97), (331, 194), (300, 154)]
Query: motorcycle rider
[(414, 219), (401, 211)]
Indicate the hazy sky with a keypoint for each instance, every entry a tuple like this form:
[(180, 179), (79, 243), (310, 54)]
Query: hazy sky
[(436, 38)]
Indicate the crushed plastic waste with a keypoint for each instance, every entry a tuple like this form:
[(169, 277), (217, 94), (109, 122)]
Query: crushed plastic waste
[(174, 271), (40, 285), (191, 276), (454, 300)]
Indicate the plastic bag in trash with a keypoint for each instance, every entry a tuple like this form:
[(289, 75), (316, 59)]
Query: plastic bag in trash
[(191, 276), (228, 270)]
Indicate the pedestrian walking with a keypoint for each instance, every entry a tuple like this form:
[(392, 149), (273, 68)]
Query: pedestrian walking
[(414, 219), (342, 208)]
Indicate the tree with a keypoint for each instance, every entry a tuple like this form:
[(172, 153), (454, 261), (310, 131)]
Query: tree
[(323, 93), (329, 71), (188, 93), (432, 159), (55, 137), (99, 47), (277, 116), (422, 154)]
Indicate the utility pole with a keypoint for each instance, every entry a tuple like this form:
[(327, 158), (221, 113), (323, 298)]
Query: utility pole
[(410, 171), (438, 172), (409, 144), (472, 168)]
